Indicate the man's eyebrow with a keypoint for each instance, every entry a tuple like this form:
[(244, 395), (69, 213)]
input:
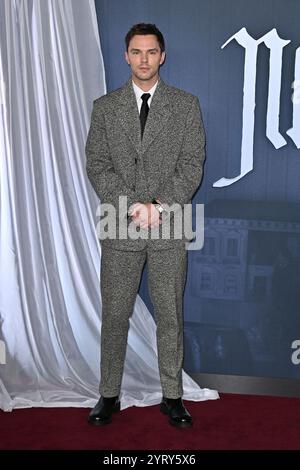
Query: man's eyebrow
[(148, 50)]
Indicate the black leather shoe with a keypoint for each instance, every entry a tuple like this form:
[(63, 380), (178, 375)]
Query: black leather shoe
[(178, 414), (102, 413)]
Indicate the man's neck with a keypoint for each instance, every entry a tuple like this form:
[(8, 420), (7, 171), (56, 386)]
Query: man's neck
[(145, 85)]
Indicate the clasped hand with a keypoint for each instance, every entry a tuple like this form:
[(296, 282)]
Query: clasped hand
[(145, 215)]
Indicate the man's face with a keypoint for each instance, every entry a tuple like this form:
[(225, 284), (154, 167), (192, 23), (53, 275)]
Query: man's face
[(144, 57)]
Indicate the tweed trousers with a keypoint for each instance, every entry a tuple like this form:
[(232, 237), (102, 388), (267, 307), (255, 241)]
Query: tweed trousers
[(120, 278)]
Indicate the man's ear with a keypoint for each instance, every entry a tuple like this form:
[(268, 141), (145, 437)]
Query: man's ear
[(163, 58), (126, 57)]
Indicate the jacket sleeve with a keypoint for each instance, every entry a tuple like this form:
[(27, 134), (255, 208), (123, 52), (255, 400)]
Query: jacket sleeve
[(189, 169), (100, 169)]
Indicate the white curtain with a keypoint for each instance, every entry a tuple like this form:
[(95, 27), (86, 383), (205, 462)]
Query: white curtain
[(51, 70)]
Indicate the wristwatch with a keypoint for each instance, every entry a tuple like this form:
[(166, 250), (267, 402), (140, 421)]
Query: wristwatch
[(158, 206)]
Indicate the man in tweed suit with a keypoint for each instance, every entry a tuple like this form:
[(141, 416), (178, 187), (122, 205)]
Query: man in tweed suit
[(145, 144)]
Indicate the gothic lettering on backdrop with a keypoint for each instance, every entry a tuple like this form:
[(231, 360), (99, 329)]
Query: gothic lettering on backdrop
[(275, 44)]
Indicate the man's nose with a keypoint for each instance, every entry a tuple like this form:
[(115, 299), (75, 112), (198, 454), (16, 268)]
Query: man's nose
[(144, 58)]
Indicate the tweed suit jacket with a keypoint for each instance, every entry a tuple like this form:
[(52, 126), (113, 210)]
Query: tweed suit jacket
[(166, 164)]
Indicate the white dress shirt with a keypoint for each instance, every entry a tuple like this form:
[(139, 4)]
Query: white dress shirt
[(139, 92)]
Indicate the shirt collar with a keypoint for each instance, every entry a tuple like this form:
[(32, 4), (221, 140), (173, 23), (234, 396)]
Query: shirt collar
[(139, 92)]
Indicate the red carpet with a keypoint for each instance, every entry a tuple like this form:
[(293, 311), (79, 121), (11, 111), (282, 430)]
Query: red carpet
[(233, 422)]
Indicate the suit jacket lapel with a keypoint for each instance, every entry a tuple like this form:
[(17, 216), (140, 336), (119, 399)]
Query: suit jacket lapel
[(128, 115), (159, 114)]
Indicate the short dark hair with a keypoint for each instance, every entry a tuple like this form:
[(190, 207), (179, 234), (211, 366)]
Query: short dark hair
[(143, 29)]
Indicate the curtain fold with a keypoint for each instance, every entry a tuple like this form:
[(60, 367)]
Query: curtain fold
[(51, 70)]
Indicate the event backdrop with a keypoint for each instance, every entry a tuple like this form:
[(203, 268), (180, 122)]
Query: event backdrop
[(242, 294), (51, 70)]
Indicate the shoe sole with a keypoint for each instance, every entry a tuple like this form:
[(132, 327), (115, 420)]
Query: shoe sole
[(116, 409), (184, 424)]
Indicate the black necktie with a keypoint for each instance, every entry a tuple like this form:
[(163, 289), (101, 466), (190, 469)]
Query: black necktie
[(144, 111)]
